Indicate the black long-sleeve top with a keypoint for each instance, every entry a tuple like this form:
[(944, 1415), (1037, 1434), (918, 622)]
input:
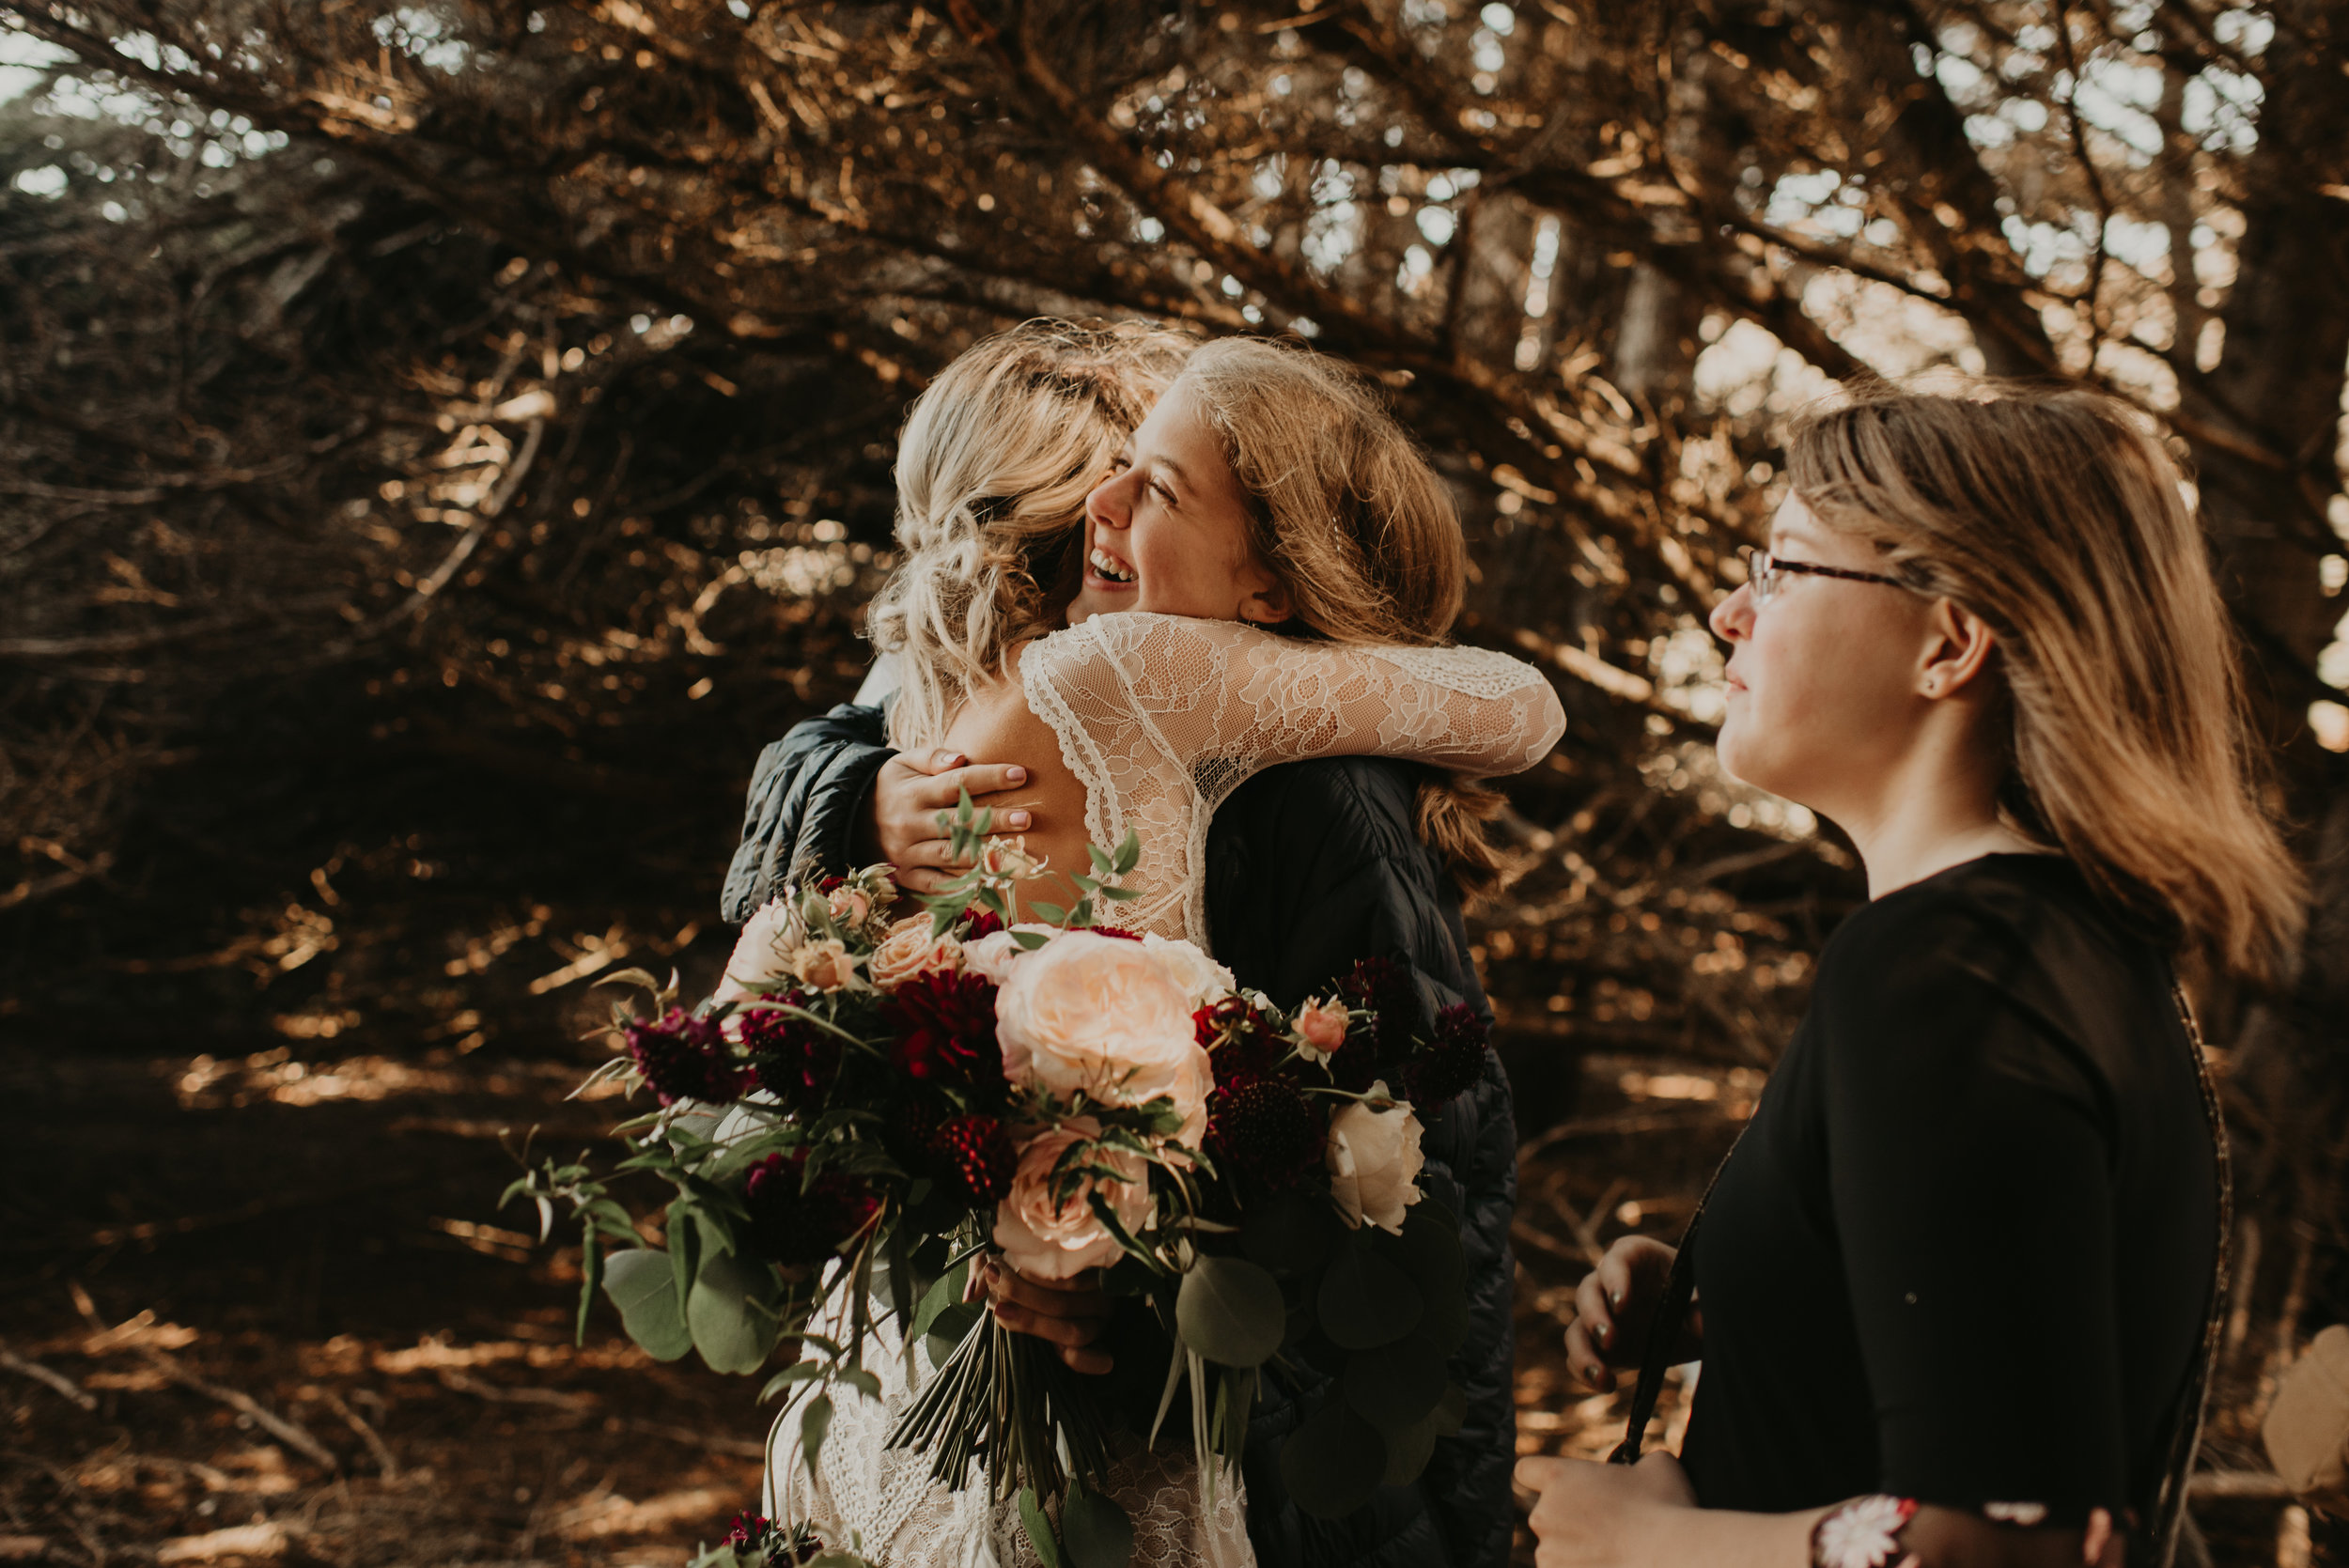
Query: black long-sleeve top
[(1964, 1252)]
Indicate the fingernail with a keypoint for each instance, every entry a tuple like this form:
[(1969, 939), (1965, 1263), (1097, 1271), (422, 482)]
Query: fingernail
[(1016, 775), (1017, 819), (1616, 1297)]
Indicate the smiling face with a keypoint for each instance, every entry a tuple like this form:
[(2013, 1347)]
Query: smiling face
[(1168, 532), (1826, 683)]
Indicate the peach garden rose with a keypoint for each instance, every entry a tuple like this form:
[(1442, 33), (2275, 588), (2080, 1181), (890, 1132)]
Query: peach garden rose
[(909, 950), (1101, 1014), (1054, 1240)]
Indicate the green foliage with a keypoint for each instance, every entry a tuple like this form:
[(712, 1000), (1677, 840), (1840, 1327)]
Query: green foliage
[(1230, 1310), (643, 1286), (1094, 1529)]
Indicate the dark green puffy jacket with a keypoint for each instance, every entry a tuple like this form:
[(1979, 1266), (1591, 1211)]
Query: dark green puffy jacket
[(1310, 866)]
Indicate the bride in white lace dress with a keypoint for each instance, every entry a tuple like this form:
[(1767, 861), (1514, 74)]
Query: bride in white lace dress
[(1269, 489)]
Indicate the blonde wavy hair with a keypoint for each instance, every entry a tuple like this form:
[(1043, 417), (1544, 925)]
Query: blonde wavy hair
[(2055, 515), (993, 467), (1345, 511)]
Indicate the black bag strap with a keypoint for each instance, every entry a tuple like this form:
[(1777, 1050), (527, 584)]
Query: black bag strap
[(1663, 1329), (2158, 1532)]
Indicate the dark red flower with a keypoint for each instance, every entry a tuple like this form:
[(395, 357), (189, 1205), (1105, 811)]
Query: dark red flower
[(1450, 1064), (1237, 1038), (750, 1531), (973, 1158), (686, 1058), (1266, 1127), (795, 1061), (944, 1029), (1117, 931), (1386, 988), (800, 1222), (977, 923)]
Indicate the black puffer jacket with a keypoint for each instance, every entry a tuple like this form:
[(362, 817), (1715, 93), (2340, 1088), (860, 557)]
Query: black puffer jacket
[(1310, 866)]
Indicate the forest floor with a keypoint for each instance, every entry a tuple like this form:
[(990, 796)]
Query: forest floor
[(263, 1309)]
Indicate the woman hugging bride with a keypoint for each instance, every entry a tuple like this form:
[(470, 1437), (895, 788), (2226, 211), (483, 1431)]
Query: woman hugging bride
[(1146, 615)]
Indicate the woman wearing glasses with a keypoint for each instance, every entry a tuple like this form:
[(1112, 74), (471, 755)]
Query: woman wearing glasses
[(1953, 1287)]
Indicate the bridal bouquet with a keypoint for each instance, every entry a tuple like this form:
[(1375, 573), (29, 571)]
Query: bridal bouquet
[(867, 1105)]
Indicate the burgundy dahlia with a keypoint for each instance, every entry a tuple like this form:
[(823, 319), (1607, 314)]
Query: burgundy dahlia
[(1450, 1064), (686, 1058), (1266, 1127), (795, 1061), (974, 1158), (1237, 1037), (944, 1027), (800, 1222), (1118, 931), (977, 923), (750, 1531), (1385, 987)]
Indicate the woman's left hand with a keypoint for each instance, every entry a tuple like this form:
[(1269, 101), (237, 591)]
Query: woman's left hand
[(1592, 1515)]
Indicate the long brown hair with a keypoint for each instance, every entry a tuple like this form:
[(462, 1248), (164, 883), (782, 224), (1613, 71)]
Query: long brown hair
[(992, 471), (1358, 528), (2055, 515)]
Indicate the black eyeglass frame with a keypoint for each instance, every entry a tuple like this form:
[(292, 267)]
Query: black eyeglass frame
[(1761, 568)]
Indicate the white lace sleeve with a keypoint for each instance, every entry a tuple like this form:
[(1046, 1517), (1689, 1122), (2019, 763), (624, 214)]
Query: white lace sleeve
[(1161, 716)]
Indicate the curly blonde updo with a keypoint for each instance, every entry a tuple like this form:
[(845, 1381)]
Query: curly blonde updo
[(993, 468)]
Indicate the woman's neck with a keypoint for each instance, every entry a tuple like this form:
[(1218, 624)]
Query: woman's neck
[(1938, 810)]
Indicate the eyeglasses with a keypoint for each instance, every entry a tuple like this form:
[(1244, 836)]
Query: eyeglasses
[(1766, 574)]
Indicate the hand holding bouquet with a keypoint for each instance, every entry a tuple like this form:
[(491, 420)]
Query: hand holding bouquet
[(867, 1104)]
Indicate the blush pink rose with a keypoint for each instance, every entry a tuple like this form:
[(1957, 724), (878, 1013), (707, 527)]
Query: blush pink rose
[(851, 904), (1101, 1015), (909, 950), (1048, 1240), (823, 964), (762, 955), (997, 954), (1320, 1028), (1202, 979)]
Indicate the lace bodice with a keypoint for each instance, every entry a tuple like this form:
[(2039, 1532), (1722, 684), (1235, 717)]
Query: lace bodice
[(1161, 716)]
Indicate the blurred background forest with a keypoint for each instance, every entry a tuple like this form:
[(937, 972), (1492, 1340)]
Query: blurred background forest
[(441, 443)]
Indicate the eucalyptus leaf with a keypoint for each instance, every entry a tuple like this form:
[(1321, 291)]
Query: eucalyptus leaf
[(1451, 1411), (732, 1330), (1429, 1247), (1029, 941), (1094, 1529), (951, 1328), (640, 1283), (1364, 1300), (1333, 1462), (798, 1372), (1040, 1529), (1409, 1451), (945, 1292), (591, 1265), (814, 1423), (1230, 1310), (1397, 1386)]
